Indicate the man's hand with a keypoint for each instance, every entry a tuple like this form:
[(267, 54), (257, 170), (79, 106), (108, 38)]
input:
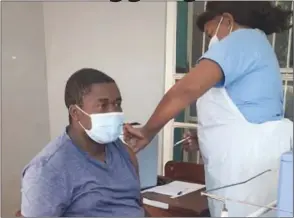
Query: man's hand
[(192, 143), (136, 138)]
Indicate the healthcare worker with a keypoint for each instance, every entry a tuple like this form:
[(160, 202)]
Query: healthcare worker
[(238, 87)]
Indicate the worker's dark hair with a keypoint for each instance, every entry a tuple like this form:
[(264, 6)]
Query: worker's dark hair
[(79, 84), (263, 15)]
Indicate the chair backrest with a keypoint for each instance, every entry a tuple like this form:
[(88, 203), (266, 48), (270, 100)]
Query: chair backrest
[(183, 171)]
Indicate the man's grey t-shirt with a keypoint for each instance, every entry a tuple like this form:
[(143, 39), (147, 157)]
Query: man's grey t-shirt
[(64, 181)]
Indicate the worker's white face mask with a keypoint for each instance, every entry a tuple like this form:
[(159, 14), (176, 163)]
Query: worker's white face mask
[(215, 39), (105, 127)]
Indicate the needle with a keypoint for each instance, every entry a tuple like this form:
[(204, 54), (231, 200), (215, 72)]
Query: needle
[(181, 141)]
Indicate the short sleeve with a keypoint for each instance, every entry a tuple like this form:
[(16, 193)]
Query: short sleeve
[(43, 193), (232, 56)]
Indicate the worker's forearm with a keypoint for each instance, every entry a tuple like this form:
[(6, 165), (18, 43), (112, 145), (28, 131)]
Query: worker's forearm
[(173, 102), (201, 78)]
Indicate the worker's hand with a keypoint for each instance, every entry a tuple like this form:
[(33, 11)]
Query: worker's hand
[(192, 143), (136, 138)]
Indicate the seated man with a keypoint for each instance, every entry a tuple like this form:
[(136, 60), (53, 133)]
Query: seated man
[(87, 171)]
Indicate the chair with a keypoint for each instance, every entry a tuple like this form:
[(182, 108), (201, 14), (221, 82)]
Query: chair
[(188, 172), (183, 171)]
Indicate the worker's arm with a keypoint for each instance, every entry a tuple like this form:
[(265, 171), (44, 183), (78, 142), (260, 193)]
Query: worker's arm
[(223, 64), (202, 77)]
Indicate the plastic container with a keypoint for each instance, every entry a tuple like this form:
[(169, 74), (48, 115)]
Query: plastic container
[(285, 190)]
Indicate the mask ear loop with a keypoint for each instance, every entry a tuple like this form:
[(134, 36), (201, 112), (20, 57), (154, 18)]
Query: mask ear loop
[(84, 112), (231, 28), (217, 28)]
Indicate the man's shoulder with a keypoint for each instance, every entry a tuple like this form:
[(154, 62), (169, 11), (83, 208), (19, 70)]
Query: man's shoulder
[(123, 147), (44, 183), (52, 157), (130, 153)]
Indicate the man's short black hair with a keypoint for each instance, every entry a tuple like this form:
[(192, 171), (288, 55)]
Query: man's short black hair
[(263, 15), (79, 84)]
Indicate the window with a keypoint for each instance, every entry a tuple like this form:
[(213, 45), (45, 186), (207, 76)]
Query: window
[(191, 44), (283, 45)]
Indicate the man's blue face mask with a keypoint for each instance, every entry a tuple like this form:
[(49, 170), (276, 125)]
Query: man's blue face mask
[(105, 127)]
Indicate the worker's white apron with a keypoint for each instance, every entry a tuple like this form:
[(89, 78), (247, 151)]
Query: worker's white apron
[(234, 150)]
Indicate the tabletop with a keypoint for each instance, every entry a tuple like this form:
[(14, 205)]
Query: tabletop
[(192, 204)]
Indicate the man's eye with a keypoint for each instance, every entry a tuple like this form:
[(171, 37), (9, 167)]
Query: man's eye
[(104, 105)]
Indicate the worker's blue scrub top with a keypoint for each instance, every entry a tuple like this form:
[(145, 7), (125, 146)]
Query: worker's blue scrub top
[(252, 75)]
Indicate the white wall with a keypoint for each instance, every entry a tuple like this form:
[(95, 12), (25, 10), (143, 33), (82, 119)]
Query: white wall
[(25, 120), (125, 40)]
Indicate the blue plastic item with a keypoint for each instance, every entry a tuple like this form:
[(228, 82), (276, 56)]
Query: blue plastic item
[(285, 190)]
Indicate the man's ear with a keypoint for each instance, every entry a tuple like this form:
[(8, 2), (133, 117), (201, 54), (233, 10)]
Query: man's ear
[(228, 19), (73, 112)]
